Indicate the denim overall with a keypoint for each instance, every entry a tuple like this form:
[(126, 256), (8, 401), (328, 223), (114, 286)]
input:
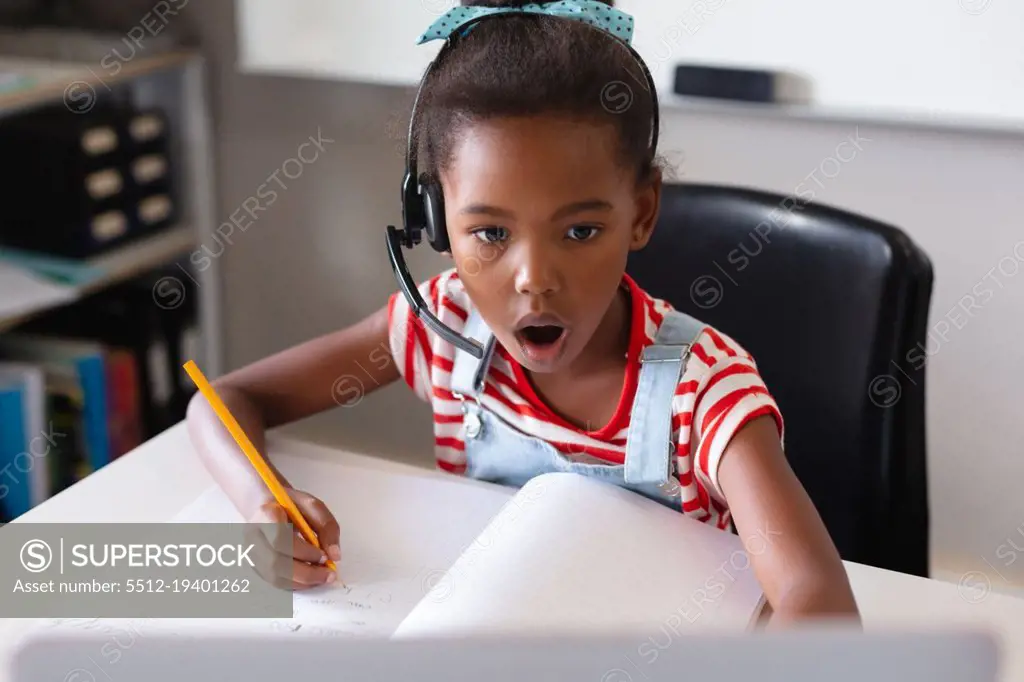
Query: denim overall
[(500, 453)]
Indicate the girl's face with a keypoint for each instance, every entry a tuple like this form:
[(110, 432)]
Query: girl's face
[(541, 218)]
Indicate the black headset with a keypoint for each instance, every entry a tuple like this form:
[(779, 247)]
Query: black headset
[(423, 211)]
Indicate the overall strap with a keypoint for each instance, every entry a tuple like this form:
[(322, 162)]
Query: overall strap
[(468, 372), (649, 446)]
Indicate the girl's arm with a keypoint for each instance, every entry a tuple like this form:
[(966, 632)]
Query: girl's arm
[(293, 384), (790, 550)]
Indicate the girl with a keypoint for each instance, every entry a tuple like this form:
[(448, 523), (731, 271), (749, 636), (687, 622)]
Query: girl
[(537, 131)]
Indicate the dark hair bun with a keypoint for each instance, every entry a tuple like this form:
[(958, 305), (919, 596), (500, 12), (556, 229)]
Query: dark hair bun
[(512, 3)]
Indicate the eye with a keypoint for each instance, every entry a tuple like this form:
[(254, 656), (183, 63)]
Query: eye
[(582, 233), (492, 234)]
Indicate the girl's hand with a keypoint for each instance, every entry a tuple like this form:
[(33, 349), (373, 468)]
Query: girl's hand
[(295, 564)]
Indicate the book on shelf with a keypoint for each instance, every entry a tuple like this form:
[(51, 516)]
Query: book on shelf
[(126, 317), (68, 407), (24, 480), (65, 409), (123, 402), (72, 359), (42, 450)]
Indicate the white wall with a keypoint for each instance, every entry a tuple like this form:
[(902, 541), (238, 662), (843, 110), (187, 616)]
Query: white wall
[(961, 58), (316, 260)]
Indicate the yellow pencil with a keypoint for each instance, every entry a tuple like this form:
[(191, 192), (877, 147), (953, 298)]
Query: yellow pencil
[(280, 494)]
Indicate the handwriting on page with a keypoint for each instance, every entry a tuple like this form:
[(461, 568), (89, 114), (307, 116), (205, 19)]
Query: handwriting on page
[(370, 605), (332, 614), (360, 598)]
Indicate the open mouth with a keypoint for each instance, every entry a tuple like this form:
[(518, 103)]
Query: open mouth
[(541, 339), (541, 335)]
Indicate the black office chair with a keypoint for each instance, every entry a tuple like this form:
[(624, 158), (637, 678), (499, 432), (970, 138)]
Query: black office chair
[(832, 305)]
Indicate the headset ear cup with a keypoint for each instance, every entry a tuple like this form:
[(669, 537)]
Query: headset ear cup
[(412, 211), (433, 209)]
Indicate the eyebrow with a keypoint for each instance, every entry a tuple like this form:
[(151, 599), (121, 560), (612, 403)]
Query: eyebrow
[(563, 212)]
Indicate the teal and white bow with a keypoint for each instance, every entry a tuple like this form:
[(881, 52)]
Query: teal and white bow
[(615, 22)]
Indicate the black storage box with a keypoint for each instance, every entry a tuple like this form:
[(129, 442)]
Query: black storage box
[(68, 182)]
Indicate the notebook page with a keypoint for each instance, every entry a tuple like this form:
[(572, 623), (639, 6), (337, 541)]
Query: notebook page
[(399, 534), (571, 554), (376, 596)]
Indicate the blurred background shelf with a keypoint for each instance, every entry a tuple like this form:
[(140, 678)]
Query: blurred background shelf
[(28, 82), (108, 186), (39, 293), (143, 255), (173, 81)]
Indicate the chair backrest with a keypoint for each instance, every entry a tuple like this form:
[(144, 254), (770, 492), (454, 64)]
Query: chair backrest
[(833, 306)]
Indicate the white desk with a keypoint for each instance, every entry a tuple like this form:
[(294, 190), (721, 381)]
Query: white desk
[(159, 478)]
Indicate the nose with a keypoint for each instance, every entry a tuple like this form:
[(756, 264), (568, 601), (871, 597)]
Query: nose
[(536, 273)]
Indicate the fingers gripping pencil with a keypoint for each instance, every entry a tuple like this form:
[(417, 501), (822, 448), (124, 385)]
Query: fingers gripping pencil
[(257, 461)]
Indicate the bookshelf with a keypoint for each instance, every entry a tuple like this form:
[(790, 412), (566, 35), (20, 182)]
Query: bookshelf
[(110, 268), (90, 296), (123, 263), (48, 81), (175, 81)]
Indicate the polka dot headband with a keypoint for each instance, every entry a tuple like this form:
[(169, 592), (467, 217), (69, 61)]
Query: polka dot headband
[(615, 22)]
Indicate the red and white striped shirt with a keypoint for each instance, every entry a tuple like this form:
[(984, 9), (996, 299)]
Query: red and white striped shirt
[(719, 392)]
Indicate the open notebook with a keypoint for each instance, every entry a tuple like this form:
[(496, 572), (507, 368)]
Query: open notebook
[(430, 555)]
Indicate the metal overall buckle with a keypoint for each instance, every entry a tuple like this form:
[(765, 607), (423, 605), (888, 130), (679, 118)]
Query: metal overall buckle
[(472, 425), (664, 353)]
